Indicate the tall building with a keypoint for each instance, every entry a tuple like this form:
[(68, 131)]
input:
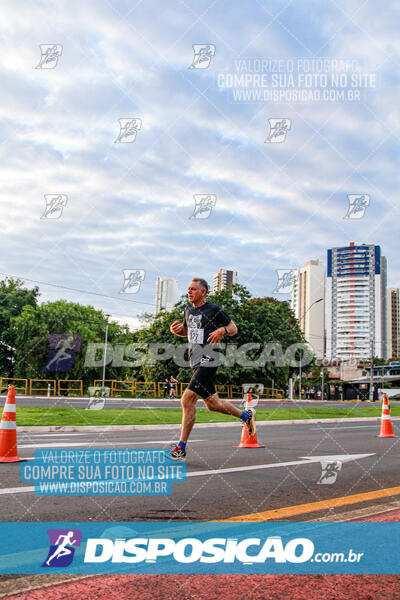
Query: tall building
[(224, 280), (308, 299), (393, 322), (166, 293), (356, 302)]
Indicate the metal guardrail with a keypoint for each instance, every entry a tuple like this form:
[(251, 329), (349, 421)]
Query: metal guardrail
[(9, 381), (49, 382), (223, 390), (146, 387), (125, 387), (99, 382), (117, 387), (62, 388)]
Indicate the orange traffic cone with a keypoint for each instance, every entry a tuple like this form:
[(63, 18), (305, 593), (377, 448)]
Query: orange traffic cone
[(246, 441), (8, 430), (386, 423)]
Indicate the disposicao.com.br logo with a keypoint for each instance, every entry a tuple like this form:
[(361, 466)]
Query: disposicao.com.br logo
[(213, 550), (61, 551)]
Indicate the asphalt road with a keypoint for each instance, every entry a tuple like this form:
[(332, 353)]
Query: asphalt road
[(247, 484)]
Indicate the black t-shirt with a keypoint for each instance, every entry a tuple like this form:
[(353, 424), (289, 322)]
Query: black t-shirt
[(200, 323)]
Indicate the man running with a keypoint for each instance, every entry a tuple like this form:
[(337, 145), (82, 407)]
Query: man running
[(172, 389), (205, 324)]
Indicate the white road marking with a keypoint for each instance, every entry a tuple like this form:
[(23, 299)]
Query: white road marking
[(30, 488), (58, 445), (32, 435), (306, 460), (352, 427), (62, 444)]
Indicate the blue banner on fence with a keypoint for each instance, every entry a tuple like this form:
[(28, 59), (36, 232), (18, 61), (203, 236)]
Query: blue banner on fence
[(159, 547), (102, 472)]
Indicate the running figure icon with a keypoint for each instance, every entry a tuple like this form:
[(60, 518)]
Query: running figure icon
[(62, 550), (62, 347)]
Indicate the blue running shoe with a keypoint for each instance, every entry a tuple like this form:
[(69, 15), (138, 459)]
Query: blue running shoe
[(250, 421), (177, 453)]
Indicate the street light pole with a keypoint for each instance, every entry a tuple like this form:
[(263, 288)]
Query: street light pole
[(300, 378), (371, 378), (322, 386), (105, 353)]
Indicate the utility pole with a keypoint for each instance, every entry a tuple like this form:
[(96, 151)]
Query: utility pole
[(105, 354), (371, 377), (300, 377), (322, 386)]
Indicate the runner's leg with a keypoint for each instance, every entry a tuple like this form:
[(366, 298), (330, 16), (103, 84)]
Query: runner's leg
[(216, 404), (188, 402)]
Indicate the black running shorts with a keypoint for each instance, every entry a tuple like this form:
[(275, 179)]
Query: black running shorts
[(202, 382)]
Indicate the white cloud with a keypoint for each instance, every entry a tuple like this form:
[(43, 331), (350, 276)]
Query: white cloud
[(129, 204)]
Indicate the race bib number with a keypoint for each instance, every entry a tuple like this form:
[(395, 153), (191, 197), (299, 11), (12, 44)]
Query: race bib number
[(196, 336)]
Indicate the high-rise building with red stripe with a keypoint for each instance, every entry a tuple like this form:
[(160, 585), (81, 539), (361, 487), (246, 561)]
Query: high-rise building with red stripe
[(355, 317)]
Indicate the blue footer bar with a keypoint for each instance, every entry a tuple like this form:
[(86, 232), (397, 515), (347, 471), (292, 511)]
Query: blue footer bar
[(157, 547)]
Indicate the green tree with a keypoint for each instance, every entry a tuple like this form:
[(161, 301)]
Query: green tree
[(377, 361), (13, 298), (34, 325)]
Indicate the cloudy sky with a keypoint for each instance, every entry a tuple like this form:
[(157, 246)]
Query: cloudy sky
[(129, 203)]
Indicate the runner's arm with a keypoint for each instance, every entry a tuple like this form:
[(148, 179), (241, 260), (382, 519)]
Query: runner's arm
[(232, 329), (216, 336), (178, 329)]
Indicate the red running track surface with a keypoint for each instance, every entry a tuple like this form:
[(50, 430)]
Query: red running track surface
[(229, 587)]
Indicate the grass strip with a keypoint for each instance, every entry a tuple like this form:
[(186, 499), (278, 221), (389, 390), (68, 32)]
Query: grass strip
[(41, 416)]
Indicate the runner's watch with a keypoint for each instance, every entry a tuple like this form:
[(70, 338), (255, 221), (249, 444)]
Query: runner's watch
[(226, 330)]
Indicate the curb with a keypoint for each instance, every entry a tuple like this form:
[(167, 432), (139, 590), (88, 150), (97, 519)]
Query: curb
[(105, 428)]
